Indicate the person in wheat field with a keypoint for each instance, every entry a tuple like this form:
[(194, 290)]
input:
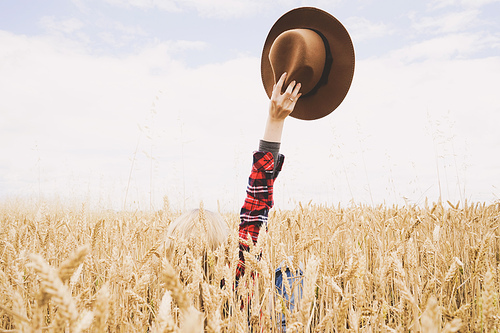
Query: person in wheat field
[(307, 66), (267, 163)]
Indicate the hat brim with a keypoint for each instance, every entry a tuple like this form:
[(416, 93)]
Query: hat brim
[(327, 97)]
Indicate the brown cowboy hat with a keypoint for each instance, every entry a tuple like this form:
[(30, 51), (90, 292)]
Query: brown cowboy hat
[(315, 49)]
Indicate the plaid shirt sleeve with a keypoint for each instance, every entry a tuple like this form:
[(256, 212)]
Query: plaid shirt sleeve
[(259, 200)]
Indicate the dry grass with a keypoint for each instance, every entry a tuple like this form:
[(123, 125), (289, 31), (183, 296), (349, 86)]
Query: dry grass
[(380, 269)]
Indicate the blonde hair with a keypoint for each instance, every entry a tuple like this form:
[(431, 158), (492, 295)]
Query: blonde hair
[(195, 226)]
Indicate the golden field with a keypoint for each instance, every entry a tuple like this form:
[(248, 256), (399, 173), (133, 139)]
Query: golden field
[(365, 269)]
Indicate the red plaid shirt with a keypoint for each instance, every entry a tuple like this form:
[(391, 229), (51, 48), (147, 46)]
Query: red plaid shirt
[(259, 200)]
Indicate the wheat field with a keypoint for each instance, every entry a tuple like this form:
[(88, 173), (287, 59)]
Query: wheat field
[(365, 269)]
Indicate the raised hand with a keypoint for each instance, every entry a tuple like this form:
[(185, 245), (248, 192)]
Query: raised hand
[(282, 104)]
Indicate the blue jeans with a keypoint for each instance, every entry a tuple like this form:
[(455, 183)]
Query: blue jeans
[(296, 284)]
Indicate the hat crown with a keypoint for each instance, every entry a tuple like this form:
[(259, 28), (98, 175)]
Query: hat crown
[(302, 54)]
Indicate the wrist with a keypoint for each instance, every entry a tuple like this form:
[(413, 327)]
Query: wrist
[(275, 121), (273, 130)]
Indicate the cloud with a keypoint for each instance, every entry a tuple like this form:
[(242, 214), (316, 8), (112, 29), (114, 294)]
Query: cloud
[(448, 23), (409, 119), (362, 29), (72, 118), (220, 8), (216, 8), (113, 33), (117, 35), (436, 4), (167, 5), (459, 45), (66, 26)]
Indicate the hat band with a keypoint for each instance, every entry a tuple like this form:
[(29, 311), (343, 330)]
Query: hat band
[(326, 68)]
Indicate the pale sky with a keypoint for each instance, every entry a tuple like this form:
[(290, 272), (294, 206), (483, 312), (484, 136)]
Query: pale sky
[(164, 98)]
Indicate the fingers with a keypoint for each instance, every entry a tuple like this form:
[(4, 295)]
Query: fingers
[(290, 87), (279, 85), (291, 95), (282, 104), (295, 100), (295, 91)]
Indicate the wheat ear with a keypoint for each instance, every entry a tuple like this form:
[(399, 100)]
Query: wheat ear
[(431, 318), (310, 277), (68, 266), (164, 320), (172, 283), (454, 326), (52, 286), (101, 309)]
